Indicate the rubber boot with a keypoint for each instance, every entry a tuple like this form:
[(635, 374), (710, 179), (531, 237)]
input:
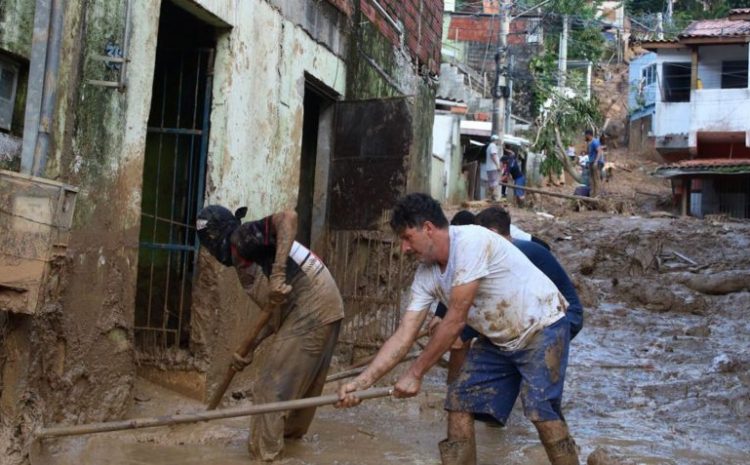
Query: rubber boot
[(462, 452), (560, 447)]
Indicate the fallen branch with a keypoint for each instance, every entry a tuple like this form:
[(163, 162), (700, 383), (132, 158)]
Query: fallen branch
[(723, 282), (553, 194), (687, 259)]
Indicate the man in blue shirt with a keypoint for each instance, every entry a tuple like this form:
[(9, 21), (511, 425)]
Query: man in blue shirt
[(498, 220), (596, 161)]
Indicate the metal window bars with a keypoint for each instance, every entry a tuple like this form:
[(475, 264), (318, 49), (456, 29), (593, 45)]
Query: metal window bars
[(373, 278), (173, 190)]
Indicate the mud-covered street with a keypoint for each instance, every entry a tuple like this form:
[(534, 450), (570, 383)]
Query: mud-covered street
[(659, 375), (210, 206)]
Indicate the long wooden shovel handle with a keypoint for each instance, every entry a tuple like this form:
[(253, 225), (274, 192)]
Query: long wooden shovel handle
[(248, 345), (136, 423)]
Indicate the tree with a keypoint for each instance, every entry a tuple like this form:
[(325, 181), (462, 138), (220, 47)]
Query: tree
[(562, 117)]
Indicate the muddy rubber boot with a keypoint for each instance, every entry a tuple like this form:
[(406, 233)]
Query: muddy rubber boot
[(458, 452), (560, 447)]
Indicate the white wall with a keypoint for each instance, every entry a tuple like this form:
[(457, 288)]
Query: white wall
[(446, 160), (720, 110), (710, 59), (257, 110), (670, 117)]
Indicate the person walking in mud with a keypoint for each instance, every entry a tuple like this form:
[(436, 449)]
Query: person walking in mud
[(274, 269), (595, 161), (492, 166), (523, 331)]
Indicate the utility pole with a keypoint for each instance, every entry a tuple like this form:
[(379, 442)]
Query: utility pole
[(659, 26), (509, 103), (562, 63), (670, 11), (500, 92)]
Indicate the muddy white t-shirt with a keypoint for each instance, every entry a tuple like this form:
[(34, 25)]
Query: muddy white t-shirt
[(514, 299)]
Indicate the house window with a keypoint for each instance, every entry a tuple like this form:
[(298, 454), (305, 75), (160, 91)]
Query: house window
[(533, 30), (8, 83), (733, 74), (648, 74), (676, 83)]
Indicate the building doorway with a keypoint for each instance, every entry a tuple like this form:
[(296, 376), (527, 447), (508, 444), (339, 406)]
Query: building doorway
[(315, 158), (173, 181)]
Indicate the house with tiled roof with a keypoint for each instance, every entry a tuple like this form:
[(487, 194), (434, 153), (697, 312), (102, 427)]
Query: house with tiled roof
[(701, 121)]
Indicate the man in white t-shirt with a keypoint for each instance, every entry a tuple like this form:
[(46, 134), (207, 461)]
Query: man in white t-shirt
[(489, 284), (492, 165)]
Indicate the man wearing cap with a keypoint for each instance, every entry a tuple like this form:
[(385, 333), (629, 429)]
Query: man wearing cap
[(492, 165), (277, 271)]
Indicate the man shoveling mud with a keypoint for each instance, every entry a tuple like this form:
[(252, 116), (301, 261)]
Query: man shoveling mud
[(518, 312), (279, 273)]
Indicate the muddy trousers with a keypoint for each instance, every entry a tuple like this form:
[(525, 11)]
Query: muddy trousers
[(296, 368)]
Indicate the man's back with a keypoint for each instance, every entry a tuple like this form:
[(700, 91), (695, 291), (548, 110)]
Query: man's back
[(548, 264)]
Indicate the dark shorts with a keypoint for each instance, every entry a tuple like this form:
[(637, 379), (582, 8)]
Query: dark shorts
[(519, 181), (492, 378)]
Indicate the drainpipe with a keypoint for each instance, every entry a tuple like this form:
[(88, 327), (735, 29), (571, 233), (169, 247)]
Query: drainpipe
[(49, 99), (35, 90)]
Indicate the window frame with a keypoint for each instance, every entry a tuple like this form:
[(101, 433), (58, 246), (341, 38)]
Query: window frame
[(13, 67)]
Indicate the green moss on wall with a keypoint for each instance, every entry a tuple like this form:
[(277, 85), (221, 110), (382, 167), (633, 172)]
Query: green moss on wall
[(99, 111), (16, 26)]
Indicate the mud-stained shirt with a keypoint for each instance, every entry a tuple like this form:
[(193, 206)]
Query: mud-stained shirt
[(514, 300), (315, 298)]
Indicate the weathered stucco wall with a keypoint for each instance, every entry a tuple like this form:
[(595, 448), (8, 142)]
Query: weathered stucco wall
[(16, 26), (378, 69), (81, 366)]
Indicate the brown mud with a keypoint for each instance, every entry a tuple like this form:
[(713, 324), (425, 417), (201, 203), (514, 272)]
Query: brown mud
[(658, 375)]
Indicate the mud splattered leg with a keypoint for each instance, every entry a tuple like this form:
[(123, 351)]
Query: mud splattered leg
[(460, 447), (560, 446)]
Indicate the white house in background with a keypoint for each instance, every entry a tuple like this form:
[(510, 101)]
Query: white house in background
[(701, 124)]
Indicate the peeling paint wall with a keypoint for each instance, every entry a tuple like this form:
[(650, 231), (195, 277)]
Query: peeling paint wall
[(16, 26), (80, 356), (265, 53)]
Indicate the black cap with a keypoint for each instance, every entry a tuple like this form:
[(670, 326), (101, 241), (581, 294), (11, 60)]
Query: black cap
[(215, 224)]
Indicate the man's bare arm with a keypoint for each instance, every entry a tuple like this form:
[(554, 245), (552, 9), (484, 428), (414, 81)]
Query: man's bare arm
[(392, 352), (394, 349), (462, 298), (285, 223)]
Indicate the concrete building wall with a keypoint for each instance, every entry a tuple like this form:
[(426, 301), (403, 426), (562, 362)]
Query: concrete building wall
[(86, 331), (266, 53), (446, 145), (671, 119), (641, 95), (710, 59)]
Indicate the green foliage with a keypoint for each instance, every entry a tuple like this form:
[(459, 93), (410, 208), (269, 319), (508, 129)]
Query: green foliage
[(562, 117), (687, 9), (586, 44)]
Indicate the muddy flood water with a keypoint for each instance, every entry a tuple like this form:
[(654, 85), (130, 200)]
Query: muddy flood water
[(659, 374)]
